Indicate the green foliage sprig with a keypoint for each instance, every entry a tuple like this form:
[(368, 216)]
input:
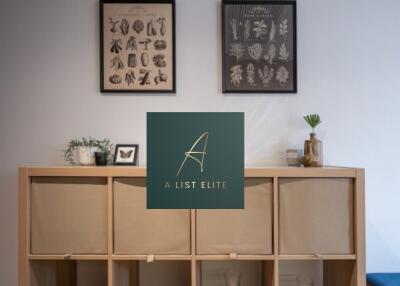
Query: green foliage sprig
[(313, 120), (104, 145)]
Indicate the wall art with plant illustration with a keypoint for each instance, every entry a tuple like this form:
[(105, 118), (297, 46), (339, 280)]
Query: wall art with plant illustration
[(137, 41), (259, 46)]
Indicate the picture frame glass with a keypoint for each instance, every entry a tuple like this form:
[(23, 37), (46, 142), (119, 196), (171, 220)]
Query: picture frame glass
[(259, 46), (126, 155), (137, 43)]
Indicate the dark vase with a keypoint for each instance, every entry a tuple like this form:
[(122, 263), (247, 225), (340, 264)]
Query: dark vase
[(101, 158)]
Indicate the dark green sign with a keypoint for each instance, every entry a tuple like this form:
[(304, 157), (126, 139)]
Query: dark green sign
[(195, 160)]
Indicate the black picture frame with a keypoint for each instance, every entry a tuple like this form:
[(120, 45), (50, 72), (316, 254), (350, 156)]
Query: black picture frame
[(228, 88), (103, 88), (135, 156)]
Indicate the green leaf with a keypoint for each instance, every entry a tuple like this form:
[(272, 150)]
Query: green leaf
[(313, 120)]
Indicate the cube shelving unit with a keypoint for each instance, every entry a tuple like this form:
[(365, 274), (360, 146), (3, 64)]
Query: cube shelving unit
[(90, 226)]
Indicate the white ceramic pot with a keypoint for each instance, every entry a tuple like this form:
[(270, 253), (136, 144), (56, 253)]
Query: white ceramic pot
[(86, 155)]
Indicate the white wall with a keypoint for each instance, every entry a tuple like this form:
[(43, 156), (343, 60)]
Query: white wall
[(348, 67)]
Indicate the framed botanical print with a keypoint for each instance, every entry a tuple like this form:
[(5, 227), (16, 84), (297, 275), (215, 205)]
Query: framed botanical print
[(259, 46), (137, 46)]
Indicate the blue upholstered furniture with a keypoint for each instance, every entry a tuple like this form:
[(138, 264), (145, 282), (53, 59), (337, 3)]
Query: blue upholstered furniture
[(383, 279)]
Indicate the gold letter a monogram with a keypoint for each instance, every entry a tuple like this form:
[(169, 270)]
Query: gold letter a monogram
[(190, 154)]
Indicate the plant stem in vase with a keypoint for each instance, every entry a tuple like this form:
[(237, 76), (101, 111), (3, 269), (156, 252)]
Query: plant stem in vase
[(313, 146)]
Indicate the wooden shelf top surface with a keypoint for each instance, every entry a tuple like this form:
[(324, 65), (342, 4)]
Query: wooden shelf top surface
[(141, 171)]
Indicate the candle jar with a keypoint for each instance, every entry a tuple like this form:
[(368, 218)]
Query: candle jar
[(293, 157)]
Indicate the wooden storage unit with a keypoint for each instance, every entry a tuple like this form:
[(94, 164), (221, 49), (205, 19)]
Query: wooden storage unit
[(191, 245)]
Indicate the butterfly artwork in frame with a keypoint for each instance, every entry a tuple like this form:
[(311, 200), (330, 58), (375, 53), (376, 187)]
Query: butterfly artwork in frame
[(126, 154)]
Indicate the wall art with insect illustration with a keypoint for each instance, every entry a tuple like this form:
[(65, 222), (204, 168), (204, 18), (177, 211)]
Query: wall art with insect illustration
[(259, 47), (137, 43), (126, 154)]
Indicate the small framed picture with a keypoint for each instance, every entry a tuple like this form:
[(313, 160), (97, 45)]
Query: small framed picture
[(126, 154), (137, 46), (259, 46)]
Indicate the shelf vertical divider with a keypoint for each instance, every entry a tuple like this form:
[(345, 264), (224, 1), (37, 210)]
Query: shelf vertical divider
[(193, 247), (276, 231), (110, 240), (360, 226), (24, 236)]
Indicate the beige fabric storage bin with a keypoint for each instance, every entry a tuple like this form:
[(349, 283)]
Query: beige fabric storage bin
[(138, 230), (316, 216), (244, 231), (68, 215)]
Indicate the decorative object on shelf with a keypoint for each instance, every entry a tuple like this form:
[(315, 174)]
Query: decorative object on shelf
[(126, 154), (137, 46), (293, 157), (86, 149), (259, 46), (86, 155), (101, 158), (313, 146), (232, 278)]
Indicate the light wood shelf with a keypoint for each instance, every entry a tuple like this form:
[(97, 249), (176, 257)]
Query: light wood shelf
[(155, 257), (236, 257), (339, 269), (123, 171), (318, 257), (67, 257)]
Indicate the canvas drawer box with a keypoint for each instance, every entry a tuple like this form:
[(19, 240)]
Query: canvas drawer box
[(68, 215), (241, 231), (138, 230), (316, 216)]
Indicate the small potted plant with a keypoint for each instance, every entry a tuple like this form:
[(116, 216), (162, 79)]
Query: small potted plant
[(313, 146), (86, 149), (104, 156)]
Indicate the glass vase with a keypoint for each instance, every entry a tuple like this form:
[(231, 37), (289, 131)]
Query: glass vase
[(313, 152)]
